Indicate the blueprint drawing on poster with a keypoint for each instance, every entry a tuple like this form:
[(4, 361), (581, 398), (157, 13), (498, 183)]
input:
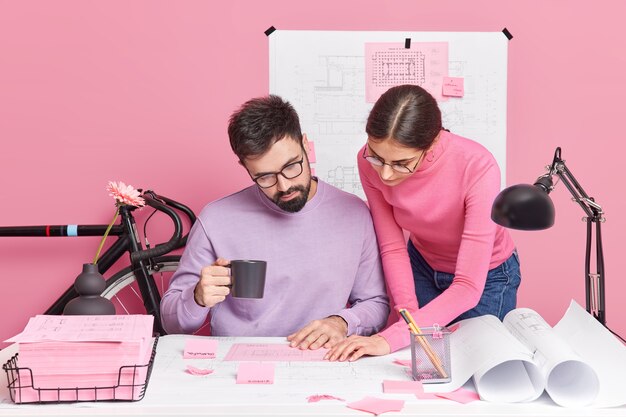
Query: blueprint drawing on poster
[(323, 74)]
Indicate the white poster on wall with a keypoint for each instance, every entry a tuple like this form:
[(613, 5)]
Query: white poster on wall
[(333, 77)]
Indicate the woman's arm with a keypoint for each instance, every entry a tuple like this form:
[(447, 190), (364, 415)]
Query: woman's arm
[(394, 256)]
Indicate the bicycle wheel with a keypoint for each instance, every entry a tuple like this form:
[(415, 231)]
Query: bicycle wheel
[(123, 291), (122, 287)]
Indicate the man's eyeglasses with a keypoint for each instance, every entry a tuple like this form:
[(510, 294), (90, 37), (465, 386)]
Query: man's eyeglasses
[(289, 172), (399, 168)]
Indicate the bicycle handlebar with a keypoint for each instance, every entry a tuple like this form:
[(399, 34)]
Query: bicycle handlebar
[(183, 208), (163, 205), (158, 202)]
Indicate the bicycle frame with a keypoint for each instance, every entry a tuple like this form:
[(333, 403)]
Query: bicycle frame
[(128, 241)]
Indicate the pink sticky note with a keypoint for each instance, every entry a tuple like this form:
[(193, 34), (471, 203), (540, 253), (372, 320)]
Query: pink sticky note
[(317, 398), (390, 64), (461, 395), (200, 348), (402, 387), (453, 87), (198, 371), (377, 405), (403, 362), (255, 373), (311, 152)]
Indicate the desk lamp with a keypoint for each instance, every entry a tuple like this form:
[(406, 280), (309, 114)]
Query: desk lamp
[(528, 207)]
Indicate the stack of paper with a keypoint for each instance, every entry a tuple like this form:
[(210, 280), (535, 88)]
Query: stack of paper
[(85, 353)]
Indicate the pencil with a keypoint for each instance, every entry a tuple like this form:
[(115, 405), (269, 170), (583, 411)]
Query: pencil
[(418, 331), (434, 359), (432, 355)]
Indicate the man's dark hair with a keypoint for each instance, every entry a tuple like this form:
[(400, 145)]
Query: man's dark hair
[(261, 122)]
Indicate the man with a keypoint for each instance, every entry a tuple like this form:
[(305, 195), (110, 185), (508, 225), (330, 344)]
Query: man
[(324, 277)]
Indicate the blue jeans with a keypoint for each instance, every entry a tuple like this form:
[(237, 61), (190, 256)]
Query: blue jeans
[(498, 298)]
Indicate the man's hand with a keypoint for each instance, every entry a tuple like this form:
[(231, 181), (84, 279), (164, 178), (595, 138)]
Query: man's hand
[(325, 332), (213, 287), (354, 347)]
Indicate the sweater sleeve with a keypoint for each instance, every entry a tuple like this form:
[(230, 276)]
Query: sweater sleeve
[(394, 256), (369, 304), (179, 311)]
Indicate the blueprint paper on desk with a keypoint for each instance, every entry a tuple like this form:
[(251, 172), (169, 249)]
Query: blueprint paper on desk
[(578, 362), (294, 380), (602, 351), (272, 352)]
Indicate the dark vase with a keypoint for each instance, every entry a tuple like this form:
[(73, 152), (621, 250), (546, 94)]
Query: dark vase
[(89, 285)]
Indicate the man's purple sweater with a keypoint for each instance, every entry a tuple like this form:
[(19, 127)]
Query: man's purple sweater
[(321, 261)]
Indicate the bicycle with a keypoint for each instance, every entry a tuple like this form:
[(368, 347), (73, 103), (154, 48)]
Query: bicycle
[(149, 271)]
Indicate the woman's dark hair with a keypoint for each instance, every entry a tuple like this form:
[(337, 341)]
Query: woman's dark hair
[(407, 114), (261, 122)]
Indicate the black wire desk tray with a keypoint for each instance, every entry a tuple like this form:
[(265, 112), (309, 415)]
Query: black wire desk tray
[(132, 382)]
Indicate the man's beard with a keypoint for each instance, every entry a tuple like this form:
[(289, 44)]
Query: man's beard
[(295, 204)]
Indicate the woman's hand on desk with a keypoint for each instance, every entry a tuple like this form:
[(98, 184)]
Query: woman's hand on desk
[(325, 332), (354, 347)]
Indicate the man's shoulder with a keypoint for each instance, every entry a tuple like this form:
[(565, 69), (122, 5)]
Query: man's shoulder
[(344, 199), (229, 204)]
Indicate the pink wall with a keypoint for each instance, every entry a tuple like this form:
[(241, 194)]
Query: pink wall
[(141, 91)]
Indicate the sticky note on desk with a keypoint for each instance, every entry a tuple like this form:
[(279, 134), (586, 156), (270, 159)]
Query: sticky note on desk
[(402, 387), (255, 373), (453, 87), (200, 348), (377, 405), (198, 371), (404, 362), (461, 395)]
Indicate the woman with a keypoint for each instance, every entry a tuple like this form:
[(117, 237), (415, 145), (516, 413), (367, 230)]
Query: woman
[(439, 187)]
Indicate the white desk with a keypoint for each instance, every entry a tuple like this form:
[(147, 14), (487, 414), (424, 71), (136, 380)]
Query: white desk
[(172, 391)]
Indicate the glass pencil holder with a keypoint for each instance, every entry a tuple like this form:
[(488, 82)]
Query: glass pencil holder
[(430, 355)]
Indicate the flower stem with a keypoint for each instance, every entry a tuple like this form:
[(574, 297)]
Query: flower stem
[(106, 233)]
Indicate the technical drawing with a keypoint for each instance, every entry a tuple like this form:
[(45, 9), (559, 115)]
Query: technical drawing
[(345, 178), (390, 64), (325, 75), (398, 67)]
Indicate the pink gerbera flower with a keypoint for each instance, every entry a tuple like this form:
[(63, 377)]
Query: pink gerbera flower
[(124, 195)]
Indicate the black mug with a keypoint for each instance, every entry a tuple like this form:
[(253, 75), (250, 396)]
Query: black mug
[(247, 278)]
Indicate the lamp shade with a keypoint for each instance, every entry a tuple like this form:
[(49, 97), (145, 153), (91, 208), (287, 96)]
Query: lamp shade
[(523, 207)]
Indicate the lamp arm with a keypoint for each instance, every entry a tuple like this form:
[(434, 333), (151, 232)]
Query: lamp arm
[(594, 282), (592, 209)]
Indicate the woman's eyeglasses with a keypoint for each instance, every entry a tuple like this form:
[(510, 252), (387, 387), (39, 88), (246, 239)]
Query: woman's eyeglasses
[(399, 168)]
